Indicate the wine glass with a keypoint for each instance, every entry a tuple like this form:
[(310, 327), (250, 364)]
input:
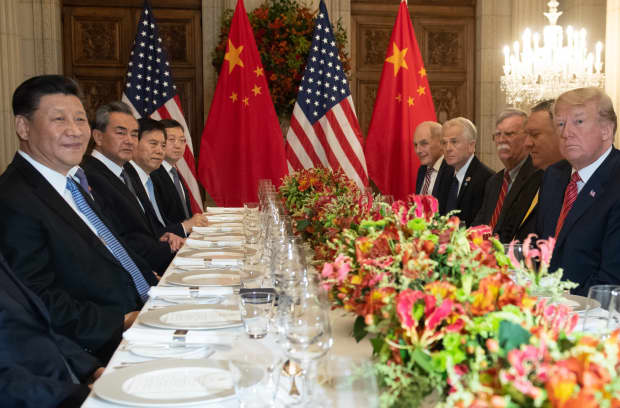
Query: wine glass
[(306, 336), (601, 311)]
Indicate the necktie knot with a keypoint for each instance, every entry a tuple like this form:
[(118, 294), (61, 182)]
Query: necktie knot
[(507, 176), (575, 178)]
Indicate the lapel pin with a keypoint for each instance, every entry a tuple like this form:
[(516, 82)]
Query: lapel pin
[(592, 193)]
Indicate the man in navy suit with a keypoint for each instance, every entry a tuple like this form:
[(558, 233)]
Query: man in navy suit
[(172, 195), (53, 234), (147, 158), (467, 186), (115, 136), (580, 196), (38, 367), (434, 174)]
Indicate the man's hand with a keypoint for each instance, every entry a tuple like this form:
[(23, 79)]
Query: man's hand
[(129, 319), (175, 241), (197, 220)]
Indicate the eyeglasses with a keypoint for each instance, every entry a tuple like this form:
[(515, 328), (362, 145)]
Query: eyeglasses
[(508, 135)]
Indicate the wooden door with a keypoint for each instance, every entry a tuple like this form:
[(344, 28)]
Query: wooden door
[(97, 41), (445, 31)]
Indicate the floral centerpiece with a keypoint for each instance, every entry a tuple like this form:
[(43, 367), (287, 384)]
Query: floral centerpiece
[(444, 316), (282, 30)]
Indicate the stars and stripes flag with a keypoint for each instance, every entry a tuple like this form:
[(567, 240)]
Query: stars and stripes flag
[(150, 91), (324, 130)]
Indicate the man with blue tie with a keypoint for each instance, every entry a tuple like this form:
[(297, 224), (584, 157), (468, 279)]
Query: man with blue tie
[(51, 231), (115, 135), (580, 197), (172, 195), (147, 158)]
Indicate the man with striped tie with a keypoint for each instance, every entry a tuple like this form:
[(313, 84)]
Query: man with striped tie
[(52, 233), (434, 174), (579, 201), (507, 192)]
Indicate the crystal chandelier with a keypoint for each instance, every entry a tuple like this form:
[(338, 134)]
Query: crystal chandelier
[(534, 72)]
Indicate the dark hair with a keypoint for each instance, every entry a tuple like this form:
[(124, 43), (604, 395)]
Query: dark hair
[(149, 125), (102, 117), (546, 105), (28, 94), (170, 123)]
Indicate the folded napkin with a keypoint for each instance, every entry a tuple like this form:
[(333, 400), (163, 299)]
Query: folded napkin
[(208, 243), (225, 217), (162, 291), (154, 336), (217, 229), (225, 210), (226, 262), (183, 261)]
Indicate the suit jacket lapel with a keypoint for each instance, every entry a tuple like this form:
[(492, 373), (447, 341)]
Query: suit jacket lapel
[(188, 203), (524, 174), (58, 205), (143, 197), (586, 197), (468, 175)]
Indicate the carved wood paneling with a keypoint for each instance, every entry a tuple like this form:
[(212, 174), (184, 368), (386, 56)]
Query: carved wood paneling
[(368, 93), (98, 91), (375, 42), (449, 100), (97, 42)]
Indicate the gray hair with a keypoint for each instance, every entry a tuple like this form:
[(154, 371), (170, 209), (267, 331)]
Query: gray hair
[(510, 112), (102, 117), (469, 129), (546, 105)]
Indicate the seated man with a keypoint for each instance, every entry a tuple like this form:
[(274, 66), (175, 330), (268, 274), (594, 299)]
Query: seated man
[(116, 136), (172, 196), (544, 145), (434, 174), (53, 234), (147, 158), (580, 196), (509, 192), (458, 141), (38, 368)]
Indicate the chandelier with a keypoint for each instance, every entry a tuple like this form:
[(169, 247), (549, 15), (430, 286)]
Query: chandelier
[(533, 72)]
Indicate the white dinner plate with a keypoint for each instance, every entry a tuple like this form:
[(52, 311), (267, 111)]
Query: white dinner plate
[(193, 317), (211, 277), (169, 383)]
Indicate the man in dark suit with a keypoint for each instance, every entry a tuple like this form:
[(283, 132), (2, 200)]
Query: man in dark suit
[(580, 196), (51, 231), (38, 368), (466, 192), (147, 158), (543, 143), (170, 190), (434, 175), (508, 193), (115, 136)]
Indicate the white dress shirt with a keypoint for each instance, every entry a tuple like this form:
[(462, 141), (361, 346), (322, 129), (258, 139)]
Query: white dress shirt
[(168, 167), (113, 167), (589, 170), (434, 174), (460, 174), (59, 183)]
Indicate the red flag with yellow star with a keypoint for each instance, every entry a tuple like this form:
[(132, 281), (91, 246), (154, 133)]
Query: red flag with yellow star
[(242, 141), (403, 101)]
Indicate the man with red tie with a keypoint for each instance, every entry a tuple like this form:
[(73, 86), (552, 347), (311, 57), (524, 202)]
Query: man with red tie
[(434, 174), (580, 196), (506, 189)]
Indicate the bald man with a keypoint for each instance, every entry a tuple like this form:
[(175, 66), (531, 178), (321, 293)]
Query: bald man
[(434, 174)]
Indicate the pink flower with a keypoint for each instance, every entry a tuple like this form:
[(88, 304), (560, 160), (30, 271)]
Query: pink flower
[(426, 206), (328, 270), (404, 307), (400, 209), (342, 263), (546, 250)]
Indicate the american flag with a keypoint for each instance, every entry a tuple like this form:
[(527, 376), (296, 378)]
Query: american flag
[(324, 130), (150, 91)]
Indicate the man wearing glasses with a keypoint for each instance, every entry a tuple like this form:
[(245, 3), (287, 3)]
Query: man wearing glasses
[(518, 179)]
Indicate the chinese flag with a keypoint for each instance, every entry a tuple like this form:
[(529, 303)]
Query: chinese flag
[(403, 101), (242, 141)]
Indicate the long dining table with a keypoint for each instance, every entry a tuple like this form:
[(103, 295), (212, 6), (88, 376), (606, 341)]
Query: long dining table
[(234, 342)]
